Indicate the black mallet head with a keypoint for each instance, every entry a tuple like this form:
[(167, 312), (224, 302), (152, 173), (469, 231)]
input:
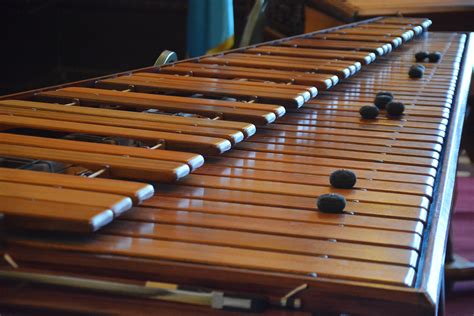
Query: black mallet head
[(369, 112), (416, 72), (343, 179), (421, 56), (434, 57), (395, 108), (331, 203), (381, 101)]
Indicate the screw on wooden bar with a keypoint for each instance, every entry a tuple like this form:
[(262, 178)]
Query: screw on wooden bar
[(296, 303), (217, 118), (10, 261)]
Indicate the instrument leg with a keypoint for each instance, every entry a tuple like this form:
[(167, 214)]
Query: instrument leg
[(457, 268), (442, 302)]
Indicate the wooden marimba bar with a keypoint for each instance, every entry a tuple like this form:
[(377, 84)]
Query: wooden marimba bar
[(245, 223)]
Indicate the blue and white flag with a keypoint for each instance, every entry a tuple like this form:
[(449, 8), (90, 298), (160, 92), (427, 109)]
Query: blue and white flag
[(210, 27)]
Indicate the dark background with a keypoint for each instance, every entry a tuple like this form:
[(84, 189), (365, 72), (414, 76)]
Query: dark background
[(46, 42)]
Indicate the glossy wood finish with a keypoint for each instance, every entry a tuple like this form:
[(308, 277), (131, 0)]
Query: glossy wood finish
[(117, 203), (191, 160), (276, 227), (293, 90), (247, 112), (174, 141), (347, 154), (361, 57), (235, 257), (25, 213), (351, 66), (308, 179), (193, 85), (266, 62), (275, 200), (138, 192), (232, 136), (376, 48), (245, 128), (395, 41), (117, 165), (300, 190), (322, 169), (402, 218), (405, 35), (326, 160), (182, 226), (249, 218), (320, 81)]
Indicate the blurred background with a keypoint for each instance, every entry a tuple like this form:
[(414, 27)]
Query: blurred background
[(46, 42)]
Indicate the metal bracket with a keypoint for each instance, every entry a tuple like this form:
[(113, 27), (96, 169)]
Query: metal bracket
[(166, 57)]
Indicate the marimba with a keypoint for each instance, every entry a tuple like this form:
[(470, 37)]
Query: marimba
[(238, 230)]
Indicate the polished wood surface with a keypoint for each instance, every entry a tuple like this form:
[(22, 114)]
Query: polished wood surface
[(189, 85), (118, 165), (247, 112), (361, 57), (376, 48), (137, 191), (247, 220), (173, 141), (54, 215), (190, 160), (320, 81), (118, 204), (288, 64), (232, 136)]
